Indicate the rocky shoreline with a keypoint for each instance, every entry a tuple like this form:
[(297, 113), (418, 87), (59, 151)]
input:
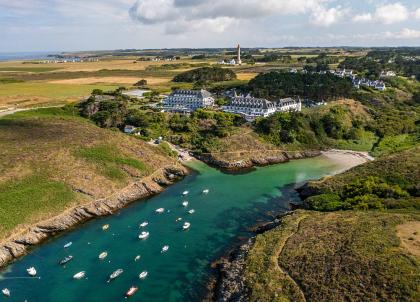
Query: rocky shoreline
[(259, 161), (18, 245)]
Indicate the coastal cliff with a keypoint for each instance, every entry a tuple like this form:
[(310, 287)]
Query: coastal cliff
[(256, 160), (19, 244)]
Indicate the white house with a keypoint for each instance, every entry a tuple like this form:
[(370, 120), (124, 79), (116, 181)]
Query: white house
[(187, 101), (288, 104), (249, 107)]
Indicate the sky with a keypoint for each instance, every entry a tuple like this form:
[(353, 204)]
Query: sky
[(72, 25)]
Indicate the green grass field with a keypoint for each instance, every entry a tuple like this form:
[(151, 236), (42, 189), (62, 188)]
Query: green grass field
[(28, 69), (50, 90)]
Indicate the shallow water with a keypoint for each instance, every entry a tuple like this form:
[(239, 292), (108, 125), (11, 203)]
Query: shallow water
[(234, 203)]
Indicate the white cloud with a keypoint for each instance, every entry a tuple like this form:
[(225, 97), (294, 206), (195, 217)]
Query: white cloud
[(363, 18), (406, 33), (218, 15), (417, 13), (327, 17), (386, 14), (391, 13)]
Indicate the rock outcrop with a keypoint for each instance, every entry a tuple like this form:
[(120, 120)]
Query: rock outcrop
[(18, 245), (257, 160)]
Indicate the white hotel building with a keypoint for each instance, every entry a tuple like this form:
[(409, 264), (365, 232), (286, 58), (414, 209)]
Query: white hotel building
[(187, 101)]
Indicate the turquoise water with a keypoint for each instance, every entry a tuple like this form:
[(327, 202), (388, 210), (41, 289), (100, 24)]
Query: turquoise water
[(234, 203)]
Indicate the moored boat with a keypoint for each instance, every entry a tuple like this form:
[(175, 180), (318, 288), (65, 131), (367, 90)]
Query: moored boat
[(79, 275), (178, 219), (186, 226), (137, 258), (115, 274), (105, 227), (66, 259), (6, 292), (131, 291), (103, 255), (160, 210), (185, 204), (143, 275), (68, 244), (144, 235), (192, 211), (144, 224), (31, 271), (185, 193), (165, 248), (206, 191)]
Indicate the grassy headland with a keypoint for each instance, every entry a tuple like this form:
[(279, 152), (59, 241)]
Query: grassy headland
[(52, 159)]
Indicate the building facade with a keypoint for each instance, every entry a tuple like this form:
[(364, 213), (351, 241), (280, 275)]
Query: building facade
[(249, 107), (187, 101), (289, 104)]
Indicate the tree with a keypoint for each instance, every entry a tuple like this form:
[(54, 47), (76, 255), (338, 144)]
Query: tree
[(141, 83)]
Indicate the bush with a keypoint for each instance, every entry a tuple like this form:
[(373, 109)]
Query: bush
[(206, 74)]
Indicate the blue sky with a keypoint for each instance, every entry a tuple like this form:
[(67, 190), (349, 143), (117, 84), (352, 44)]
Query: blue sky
[(59, 25)]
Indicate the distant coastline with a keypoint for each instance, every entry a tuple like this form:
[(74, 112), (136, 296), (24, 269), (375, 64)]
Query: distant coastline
[(34, 55)]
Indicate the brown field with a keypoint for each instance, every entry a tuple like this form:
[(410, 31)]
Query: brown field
[(409, 236), (246, 76), (111, 80)]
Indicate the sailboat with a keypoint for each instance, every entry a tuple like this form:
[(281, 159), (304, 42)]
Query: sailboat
[(103, 255), (79, 275), (186, 226), (115, 274), (31, 271), (143, 275), (6, 292)]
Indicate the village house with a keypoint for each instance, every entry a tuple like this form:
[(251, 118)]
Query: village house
[(249, 107), (187, 101), (289, 104)]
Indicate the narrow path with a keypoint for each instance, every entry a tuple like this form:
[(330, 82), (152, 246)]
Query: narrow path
[(284, 271)]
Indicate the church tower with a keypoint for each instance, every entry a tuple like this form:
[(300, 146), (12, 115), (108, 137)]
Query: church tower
[(239, 62)]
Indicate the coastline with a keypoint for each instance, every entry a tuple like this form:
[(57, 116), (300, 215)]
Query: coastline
[(228, 284), (19, 244)]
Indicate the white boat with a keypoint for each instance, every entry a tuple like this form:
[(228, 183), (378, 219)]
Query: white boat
[(105, 227), (144, 224), (206, 191), (103, 255), (31, 271), (137, 258), (178, 219), (131, 291), (68, 244), (144, 235), (66, 259), (186, 226), (6, 292), (185, 204), (79, 275), (115, 274), (185, 193), (192, 211), (160, 210), (143, 275), (165, 248)]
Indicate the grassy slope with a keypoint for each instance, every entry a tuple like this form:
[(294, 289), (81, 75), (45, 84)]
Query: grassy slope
[(341, 256), (51, 160)]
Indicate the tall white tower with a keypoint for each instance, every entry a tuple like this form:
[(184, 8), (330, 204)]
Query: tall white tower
[(239, 55)]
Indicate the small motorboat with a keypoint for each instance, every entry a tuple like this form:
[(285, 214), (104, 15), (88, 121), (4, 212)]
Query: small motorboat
[(144, 235), (137, 258), (6, 292), (144, 224), (115, 274), (192, 211), (79, 275), (103, 255), (160, 210), (185, 204), (143, 275), (185, 193), (186, 226), (31, 271), (131, 291), (65, 260), (68, 244), (105, 227), (178, 219), (165, 248), (206, 191)]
